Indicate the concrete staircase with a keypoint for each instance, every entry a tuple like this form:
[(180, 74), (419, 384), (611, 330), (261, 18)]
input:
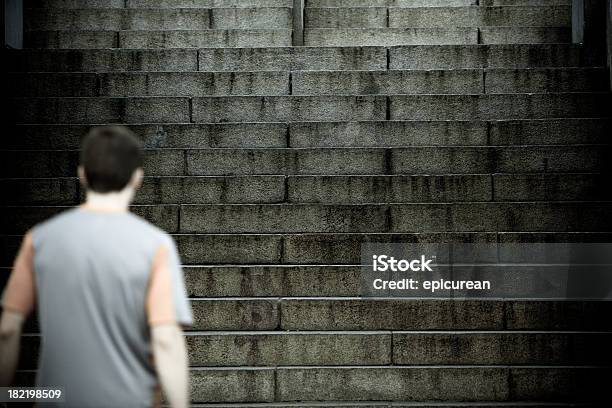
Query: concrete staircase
[(403, 120)]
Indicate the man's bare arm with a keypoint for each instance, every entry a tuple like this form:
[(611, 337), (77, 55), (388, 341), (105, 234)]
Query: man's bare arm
[(10, 333), (170, 355)]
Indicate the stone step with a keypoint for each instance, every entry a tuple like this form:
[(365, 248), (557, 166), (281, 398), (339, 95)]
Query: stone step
[(337, 248), (448, 133), (394, 107), (352, 218), (298, 280), (101, 60), (428, 17), (500, 106), (274, 280), (157, 19), (525, 2), (400, 57), (445, 188), (105, 110), (355, 313), (405, 404), (298, 58), (486, 386), (273, 83), (505, 56), (348, 37), (330, 134), (205, 38), (387, 314), (157, 39), (449, 81), (456, 383), (207, 3), (514, 35), (513, 16), (390, 3), (106, 4), (70, 39), (155, 190), (433, 3), (468, 217), (434, 160), (326, 189), (337, 348), (76, 4), (388, 82)]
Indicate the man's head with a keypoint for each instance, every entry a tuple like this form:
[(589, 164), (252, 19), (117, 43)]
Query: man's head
[(111, 157)]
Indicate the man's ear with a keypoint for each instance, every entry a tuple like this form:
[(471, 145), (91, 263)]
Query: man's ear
[(137, 177), (82, 177)]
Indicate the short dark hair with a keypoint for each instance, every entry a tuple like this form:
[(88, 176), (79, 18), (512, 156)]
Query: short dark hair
[(109, 156)]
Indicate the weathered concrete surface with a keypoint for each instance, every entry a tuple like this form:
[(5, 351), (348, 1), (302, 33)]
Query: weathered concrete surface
[(553, 16), (282, 218), (546, 80), (298, 58), (285, 161), (235, 314), (388, 314), (284, 348), (387, 133), (274, 280), (392, 383), (194, 84), (549, 187), (70, 39), (207, 3), (212, 190), (387, 82), (435, 160), (390, 3), (485, 56), (366, 17), (500, 348), (40, 191), (389, 36), (500, 106), (246, 249), (99, 109), (288, 108), (222, 385), (114, 19), (509, 35), (102, 60), (204, 38), (371, 189), (20, 219)]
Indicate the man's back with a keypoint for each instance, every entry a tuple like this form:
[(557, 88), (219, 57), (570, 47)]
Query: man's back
[(93, 273)]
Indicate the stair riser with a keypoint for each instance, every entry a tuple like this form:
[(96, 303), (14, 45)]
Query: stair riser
[(396, 218), (315, 248), (413, 161), (309, 83), (381, 17), (157, 39), (435, 36), (106, 4), (157, 19), (331, 134), (299, 349), (325, 189), (307, 58)]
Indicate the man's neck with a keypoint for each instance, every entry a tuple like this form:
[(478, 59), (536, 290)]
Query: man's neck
[(118, 201)]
